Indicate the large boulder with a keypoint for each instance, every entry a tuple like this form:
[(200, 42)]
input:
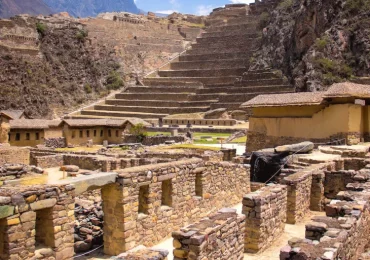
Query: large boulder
[(214, 114), (305, 147), (70, 168)]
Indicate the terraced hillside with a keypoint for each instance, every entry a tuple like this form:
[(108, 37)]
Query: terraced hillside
[(212, 74)]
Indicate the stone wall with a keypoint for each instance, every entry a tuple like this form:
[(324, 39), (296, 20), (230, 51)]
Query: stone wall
[(266, 212), (154, 200), (299, 192), (59, 142), (14, 155), (220, 236), (49, 161), (154, 140), (39, 216)]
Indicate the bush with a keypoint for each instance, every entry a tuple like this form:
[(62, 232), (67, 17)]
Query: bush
[(139, 132), (88, 88), (263, 20), (114, 81), (333, 71), (82, 34), (41, 28), (285, 5), (356, 6), (321, 43)]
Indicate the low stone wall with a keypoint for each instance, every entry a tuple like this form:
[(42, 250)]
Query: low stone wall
[(55, 142), (37, 215), (300, 191), (213, 122), (14, 155), (154, 140), (49, 161), (341, 235), (265, 212), (158, 199), (16, 171), (220, 236)]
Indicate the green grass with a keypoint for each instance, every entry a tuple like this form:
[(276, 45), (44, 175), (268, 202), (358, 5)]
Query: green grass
[(239, 140), (158, 133), (191, 146)]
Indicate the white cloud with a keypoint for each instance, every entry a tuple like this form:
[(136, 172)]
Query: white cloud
[(242, 1), (204, 9), (167, 11)]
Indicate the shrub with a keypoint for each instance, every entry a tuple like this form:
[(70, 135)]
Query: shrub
[(321, 43), (285, 5), (356, 6), (139, 132), (82, 34), (41, 28), (333, 71), (263, 20), (114, 81), (88, 88)]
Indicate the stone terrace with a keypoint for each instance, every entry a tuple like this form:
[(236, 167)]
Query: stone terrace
[(210, 75)]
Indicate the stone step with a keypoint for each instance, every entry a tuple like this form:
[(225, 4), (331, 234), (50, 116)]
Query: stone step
[(154, 40), (158, 103), (242, 20), (258, 76), (228, 28), (175, 83), (231, 33), (228, 106), (260, 82), (148, 109), (209, 64), (217, 51), (161, 89), (216, 56), (153, 96), (243, 97), (252, 89), (226, 44), (102, 113), (240, 39), (202, 73), (205, 80)]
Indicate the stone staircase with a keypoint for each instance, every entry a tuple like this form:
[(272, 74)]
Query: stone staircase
[(211, 75)]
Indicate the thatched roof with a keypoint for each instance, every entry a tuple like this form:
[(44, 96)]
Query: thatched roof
[(95, 122), (291, 99), (13, 114), (29, 124), (348, 89)]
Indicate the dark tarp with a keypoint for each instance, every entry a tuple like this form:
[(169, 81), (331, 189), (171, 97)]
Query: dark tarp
[(265, 164)]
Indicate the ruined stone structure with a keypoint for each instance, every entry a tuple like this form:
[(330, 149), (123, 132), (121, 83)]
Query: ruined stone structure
[(210, 75)]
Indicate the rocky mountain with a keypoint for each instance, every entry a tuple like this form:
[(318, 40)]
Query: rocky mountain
[(10, 8), (316, 43), (85, 8), (66, 72)]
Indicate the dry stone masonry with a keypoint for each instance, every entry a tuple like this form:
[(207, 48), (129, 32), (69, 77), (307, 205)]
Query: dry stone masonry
[(219, 236), (265, 212)]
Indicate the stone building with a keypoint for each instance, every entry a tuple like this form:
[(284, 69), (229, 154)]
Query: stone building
[(343, 112), (80, 131), (32, 132)]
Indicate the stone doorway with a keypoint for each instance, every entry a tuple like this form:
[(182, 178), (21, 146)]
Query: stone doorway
[(44, 228)]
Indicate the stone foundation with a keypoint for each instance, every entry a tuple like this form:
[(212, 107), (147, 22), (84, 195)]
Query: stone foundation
[(265, 212), (220, 236), (14, 155)]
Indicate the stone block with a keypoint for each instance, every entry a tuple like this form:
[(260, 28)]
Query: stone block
[(6, 211), (43, 204)]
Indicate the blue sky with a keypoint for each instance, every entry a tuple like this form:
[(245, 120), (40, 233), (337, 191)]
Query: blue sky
[(199, 7)]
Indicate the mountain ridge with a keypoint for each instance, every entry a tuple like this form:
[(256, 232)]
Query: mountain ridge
[(9, 8)]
